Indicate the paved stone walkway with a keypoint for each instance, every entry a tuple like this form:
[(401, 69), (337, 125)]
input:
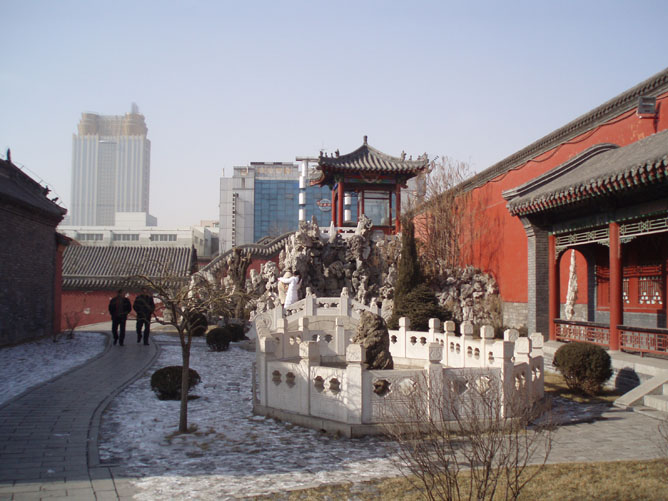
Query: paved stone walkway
[(48, 435)]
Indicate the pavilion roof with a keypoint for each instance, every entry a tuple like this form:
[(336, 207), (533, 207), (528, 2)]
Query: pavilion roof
[(600, 171), (367, 159)]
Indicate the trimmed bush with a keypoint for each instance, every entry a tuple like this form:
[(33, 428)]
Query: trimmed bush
[(585, 366), (198, 323), (166, 382), (219, 338)]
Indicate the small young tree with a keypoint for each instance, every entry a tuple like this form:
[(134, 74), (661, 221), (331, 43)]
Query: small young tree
[(182, 299), (468, 440)]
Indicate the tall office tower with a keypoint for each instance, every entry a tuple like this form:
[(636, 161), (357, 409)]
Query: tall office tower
[(110, 168)]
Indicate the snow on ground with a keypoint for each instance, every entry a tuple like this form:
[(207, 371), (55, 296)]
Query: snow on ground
[(29, 364), (233, 453)]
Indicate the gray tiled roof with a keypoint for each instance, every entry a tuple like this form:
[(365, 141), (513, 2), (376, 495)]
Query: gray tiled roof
[(18, 188), (265, 248), (93, 267), (598, 171), (369, 159), (628, 100)]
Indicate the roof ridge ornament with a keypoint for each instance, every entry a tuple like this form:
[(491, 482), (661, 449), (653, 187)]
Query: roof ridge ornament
[(365, 139)]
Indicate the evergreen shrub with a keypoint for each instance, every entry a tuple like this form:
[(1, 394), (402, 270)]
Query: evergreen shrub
[(419, 305), (219, 338), (166, 382), (585, 366)]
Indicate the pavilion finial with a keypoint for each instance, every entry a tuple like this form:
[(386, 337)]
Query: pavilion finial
[(365, 139)]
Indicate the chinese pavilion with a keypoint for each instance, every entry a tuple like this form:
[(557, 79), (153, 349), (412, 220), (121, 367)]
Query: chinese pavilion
[(371, 178)]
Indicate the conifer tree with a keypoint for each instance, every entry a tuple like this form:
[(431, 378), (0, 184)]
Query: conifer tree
[(412, 296)]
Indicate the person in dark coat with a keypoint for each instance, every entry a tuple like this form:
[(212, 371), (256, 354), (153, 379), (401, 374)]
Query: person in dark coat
[(119, 307), (144, 307)]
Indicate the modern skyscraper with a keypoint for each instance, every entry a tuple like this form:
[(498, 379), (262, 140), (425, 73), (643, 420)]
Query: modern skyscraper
[(110, 168)]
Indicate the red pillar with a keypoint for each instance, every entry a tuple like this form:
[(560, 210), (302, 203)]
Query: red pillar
[(334, 207), (398, 198), (339, 205), (615, 285), (553, 284)]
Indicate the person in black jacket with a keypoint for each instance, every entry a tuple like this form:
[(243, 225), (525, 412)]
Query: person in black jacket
[(119, 307), (144, 306)]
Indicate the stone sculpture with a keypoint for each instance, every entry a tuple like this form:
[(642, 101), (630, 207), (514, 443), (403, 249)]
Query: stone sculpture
[(372, 334)]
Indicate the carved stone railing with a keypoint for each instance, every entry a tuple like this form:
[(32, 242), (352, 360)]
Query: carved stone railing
[(317, 377)]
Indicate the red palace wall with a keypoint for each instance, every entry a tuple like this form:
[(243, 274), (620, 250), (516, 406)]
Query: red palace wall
[(92, 304), (499, 241)]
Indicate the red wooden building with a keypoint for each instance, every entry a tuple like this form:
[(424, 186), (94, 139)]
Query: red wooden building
[(597, 186)]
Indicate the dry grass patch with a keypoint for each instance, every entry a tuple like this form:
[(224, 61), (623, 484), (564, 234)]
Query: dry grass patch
[(555, 386), (627, 480)]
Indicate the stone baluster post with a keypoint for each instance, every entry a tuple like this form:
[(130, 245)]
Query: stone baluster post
[(309, 355), (523, 358), (435, 377), (466, 330), (434, 330), (486, 341), (404, 327), (310, 306), (340, 341), (537, 365), (511, 335), (448, 337), (503, 358), (356, 400), (277, 315), (267, 347), (303, 329), (344, 303)]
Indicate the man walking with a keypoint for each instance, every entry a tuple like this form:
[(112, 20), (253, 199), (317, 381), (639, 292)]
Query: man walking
[(144, 306), (119, 307)]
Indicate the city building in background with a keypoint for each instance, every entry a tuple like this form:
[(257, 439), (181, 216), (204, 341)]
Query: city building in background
[(262, 200), (131, 230), (111, 158)]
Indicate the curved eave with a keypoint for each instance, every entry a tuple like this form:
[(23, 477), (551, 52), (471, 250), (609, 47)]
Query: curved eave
[(636, 178)]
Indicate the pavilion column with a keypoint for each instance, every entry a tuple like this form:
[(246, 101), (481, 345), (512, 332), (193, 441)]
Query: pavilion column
[(334, 207), (553, 285), (398, 214), (339, 204), (616, 312)]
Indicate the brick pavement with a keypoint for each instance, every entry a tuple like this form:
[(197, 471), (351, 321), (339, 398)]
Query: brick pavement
[(48, 434)]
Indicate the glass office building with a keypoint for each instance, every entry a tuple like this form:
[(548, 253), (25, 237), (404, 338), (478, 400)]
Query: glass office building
[(262, 200), (277, 207)]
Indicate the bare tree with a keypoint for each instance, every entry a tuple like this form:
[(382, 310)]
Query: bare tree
[(452, 224), (72, 320), (470, 426), (182, 299)]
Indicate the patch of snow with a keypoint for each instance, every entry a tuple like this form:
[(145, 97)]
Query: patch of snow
[(29, 364), (233, 453)]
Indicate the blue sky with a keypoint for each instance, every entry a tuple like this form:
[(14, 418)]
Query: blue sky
[(226, 83)]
